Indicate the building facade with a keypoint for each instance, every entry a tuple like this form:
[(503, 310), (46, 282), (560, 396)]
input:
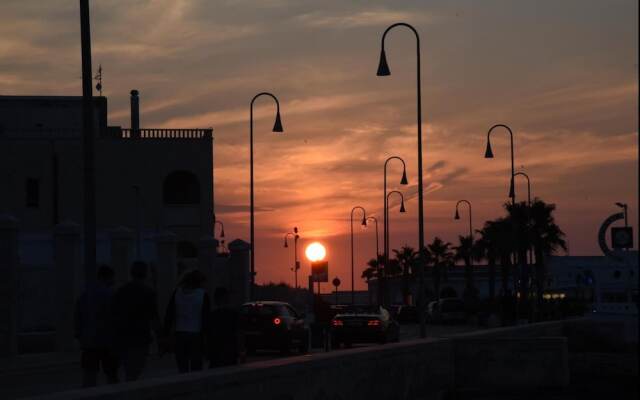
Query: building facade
[(149, 180)]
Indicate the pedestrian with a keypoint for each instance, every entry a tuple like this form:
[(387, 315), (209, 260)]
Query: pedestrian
[(94, 329), (186, 321), (136, 316), (225, 342)]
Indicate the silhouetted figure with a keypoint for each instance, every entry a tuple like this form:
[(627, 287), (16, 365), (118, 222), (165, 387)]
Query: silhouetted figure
[(186, 319), (225, 337), (94, 330), (136, 315)]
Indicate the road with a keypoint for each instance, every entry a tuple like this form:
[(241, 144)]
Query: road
[(42, 374)]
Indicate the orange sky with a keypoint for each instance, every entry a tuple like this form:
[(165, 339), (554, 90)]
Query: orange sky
[(563, 75)]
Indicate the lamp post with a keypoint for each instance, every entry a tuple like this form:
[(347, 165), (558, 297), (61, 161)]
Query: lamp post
[(277, 127), (88, 149), (402, 210), (374, 219), (403, 181), (489, 154), (364, 223), (528, 185), (512, 191), (296, 264), (457, 216), (383, 70)]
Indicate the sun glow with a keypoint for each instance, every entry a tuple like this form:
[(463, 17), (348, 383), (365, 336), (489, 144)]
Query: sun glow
[(315, 252)]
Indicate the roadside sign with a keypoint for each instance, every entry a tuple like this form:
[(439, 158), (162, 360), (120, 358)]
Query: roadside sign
[(320, 271)]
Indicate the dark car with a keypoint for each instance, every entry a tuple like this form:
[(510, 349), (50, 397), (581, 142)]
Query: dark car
[(363, 324), (273, 325)]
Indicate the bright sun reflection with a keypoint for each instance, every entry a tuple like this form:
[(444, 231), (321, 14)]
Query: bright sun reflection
[(315, 252)]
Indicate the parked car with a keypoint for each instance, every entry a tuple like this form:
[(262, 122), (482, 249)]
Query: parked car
[(446, 310), (273, 325), (364, 324)]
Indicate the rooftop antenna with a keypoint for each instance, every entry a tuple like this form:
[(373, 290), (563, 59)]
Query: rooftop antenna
[(98, 78)]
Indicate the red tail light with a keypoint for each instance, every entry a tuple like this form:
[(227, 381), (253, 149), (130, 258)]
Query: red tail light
[(374, 322), (337, 322), (277, 321)]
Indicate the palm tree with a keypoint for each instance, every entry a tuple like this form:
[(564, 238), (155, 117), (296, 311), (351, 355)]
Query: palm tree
[(464, 252), (407, 259), (547, 238), (374, 271), (441, 258), (519, 214)]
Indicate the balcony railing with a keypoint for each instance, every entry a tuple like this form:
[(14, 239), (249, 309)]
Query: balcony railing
[(150, 133)]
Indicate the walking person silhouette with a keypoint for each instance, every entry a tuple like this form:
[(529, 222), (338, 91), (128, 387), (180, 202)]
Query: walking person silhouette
[(94, 329), (186, 321), (136, 315)]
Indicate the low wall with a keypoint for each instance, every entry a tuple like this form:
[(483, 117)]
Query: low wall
[(422, 369), (511, 363)]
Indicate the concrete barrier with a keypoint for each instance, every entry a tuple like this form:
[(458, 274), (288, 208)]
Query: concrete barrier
[(499, 359), (504, 364), (411, 370)]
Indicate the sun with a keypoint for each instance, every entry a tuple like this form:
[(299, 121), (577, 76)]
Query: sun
[(315, 252)]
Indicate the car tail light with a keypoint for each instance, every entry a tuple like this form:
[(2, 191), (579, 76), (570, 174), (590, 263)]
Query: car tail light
[(374, 322), (277, 321), (337, 322)]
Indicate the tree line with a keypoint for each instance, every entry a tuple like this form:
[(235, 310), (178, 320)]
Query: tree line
[(514, 247)]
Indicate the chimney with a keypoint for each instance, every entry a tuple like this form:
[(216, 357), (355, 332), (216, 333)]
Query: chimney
[(135, 114)]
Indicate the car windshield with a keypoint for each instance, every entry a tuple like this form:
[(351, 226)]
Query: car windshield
[(258, 309), (362, 310)]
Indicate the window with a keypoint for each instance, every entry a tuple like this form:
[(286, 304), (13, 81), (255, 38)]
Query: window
[(32, 193), (181, 188)]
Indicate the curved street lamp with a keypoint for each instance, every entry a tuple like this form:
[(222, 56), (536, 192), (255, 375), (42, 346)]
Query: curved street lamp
[(374, 219), (528, 185), (402, 210), (364, 223), (277, 127), (403, 181), (457, 216), (489, 154), (383, 70), (296, 264)]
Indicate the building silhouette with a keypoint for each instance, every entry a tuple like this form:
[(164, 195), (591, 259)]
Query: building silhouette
[(149, 180)]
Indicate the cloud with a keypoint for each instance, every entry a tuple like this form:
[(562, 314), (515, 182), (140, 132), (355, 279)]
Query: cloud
[(357, 19)]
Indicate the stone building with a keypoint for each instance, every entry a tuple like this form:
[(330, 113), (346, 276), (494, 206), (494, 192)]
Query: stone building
[(146, 179)]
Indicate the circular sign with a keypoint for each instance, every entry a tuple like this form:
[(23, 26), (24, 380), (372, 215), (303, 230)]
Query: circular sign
[(336, 282), (602, 234)]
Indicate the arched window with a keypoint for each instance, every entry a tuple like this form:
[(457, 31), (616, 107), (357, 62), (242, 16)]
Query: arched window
[(181, 187), (186, 250)]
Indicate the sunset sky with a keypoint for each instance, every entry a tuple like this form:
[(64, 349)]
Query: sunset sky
[(562, 74)]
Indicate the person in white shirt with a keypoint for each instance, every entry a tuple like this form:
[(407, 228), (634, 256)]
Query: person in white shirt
[(187, 320)]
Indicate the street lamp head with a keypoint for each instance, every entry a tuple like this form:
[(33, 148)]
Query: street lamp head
[(402, 209), (457, 216), (404, 180), (222, 233), (364, 222), (383, 67), (285, 243), (277, 126), (488, 153), (295, 229)]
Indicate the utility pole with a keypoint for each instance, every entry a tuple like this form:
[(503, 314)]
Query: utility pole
[(88, 149)]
